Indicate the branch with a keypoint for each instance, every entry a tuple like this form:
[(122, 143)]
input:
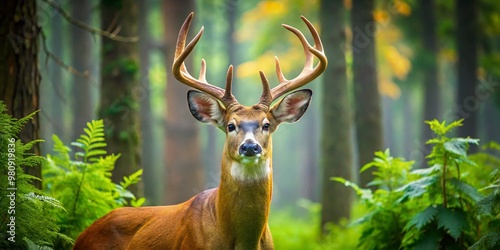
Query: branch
[(59, 61), (82, 25)]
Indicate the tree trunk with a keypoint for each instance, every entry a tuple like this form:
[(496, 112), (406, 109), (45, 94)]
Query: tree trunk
[(81, 58), (466, 36), (185, 175), (336, 144), (432, 89), (19, 73), (150, 176), (309, 163), (53, 97), (367, 97), (232, 9), (119, 99)]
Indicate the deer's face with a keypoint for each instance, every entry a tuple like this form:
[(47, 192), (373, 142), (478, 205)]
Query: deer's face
[(248, 134), (248, 129)]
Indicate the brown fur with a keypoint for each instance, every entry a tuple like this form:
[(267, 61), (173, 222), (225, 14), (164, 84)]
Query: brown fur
[(232, 216)]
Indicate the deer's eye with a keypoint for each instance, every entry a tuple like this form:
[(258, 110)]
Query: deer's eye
[(230, 127), (266, 127)]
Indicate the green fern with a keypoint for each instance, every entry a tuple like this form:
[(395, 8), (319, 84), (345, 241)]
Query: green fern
[(92, 141), (83, 182), (32, 225)]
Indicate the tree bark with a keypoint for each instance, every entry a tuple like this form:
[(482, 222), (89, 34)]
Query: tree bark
[(466, 36), (367, 98), (81, 59), (19, 73), (336, 142), (119, 98), (185, 175), (150, 176)]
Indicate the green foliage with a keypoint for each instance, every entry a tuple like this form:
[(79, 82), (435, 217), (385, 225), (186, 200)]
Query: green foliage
[(383, 224), (439, 207), (302, 233), (21, 204), (83, 184), (489, 207)]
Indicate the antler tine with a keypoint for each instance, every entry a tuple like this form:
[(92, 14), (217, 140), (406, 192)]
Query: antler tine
[(309, 72), (228, 99), (182, 75), (266, 98)]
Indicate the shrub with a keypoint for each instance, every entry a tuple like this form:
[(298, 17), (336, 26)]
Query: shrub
[(439, 207), (23, 208), (83, 183)]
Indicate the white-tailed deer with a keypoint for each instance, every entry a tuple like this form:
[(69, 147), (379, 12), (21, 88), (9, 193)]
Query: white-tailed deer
[(234, 215)]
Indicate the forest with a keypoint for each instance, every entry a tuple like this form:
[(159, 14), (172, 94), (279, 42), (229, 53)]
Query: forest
[(399, 147)]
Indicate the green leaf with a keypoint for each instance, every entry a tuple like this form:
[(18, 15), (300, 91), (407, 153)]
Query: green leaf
[(491, 240), (427, 171), (429, 240), (416, 188), (138, 203), (423, 218), (459, 146), (488, 206), (466, 189), (453, 220), (364, 194)]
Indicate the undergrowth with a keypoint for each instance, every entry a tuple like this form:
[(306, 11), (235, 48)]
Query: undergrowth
[(447, 205), (23, 208), (81, 180)]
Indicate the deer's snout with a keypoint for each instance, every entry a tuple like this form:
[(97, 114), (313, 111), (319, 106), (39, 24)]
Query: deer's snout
[(250, 149)]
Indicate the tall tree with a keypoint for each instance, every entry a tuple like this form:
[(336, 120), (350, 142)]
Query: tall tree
[(53, 98), (429, 67), (119, 82), (185, 175), (336, 143), (466, 37), (151, 190), (19, 73), (231, 12), (367, 98), (81, 59)]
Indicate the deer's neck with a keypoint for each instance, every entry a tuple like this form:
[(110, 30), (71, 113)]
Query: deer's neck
[(244, 199)]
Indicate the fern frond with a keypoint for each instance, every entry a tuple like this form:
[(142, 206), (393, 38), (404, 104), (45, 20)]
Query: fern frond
[(92, 142), (131, 179)]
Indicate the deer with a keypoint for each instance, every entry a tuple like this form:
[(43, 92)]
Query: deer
[(235, 214)]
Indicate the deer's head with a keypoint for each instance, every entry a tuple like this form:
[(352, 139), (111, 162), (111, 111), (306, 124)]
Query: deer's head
[(248, 129)]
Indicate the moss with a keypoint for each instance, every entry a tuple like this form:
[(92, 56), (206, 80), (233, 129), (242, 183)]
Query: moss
[(124, 66)]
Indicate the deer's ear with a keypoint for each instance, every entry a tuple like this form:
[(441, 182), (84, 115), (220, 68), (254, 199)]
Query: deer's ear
[(205, 108), (291, 108)]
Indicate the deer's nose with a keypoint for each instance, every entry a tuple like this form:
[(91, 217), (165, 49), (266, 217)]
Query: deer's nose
[(250, 149)]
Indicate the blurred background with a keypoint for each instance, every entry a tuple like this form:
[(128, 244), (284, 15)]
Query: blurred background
[(392, 65)]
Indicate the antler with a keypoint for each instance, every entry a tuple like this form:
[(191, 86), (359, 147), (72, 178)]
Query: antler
[(182, 75), (309, 72)]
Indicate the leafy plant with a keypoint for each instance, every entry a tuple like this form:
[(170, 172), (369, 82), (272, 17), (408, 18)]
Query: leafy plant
[(383, 224), (23, 208), (488, 208), (83, 184), (434, 207)]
